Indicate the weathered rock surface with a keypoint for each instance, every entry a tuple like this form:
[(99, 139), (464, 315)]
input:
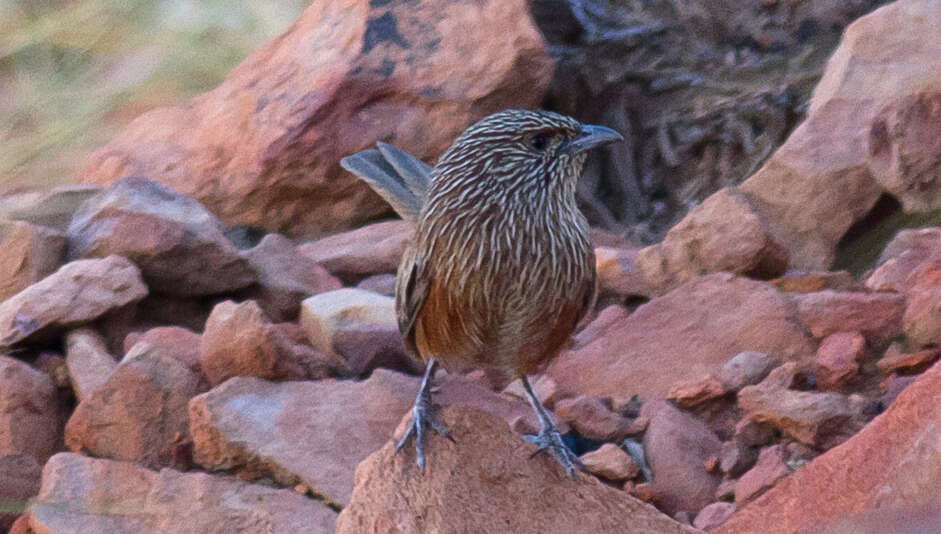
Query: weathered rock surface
[(19, 481), (88, 360), (372, 249), (181, 343), (906, 258), (53, 208), (810, 282), (922, 319), (677, 445), (592, 419), (618, 273), (771, 467), (239, 340), (123, 498), (30, 253), (285, 277), (871, 110), (178, 245), (316, 433), (838, 359), (894, 471), (359, 327), (684, 335), (820, 420), (29, 414), (485, 481), (139, 413), (712, 516), (263, 148), (79, 292), (723, 234), (906, 363), (878, 316), (611, 462)]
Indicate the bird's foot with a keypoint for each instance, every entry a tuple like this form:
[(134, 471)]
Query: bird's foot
[(422, 419), (550, 440)]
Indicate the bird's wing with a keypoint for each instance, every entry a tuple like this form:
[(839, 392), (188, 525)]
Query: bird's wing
[(372, 167), (414, 172), (411, 291)]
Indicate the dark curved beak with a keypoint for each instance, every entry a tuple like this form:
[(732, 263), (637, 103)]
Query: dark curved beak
[(593, 136)]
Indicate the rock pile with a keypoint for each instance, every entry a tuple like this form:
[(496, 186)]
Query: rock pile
[(157, 377)]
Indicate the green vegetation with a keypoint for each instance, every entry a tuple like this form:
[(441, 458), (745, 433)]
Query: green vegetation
[(74, 72)]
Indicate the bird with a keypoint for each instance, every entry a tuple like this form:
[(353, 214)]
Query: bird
[(500, 269)]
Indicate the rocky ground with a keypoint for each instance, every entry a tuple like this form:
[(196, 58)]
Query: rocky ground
[(173, 364)]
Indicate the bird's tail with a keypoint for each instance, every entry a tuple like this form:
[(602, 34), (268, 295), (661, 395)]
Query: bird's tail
[(397, 176)]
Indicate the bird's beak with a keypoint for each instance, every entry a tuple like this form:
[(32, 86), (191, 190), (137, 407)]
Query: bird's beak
[(593, 136)]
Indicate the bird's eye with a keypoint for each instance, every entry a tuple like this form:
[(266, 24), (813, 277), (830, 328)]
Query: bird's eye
[(539, 141)]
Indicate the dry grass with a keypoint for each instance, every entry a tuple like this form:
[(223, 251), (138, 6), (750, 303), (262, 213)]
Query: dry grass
[(74, 72)]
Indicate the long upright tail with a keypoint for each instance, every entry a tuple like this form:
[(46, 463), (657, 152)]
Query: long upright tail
[(397, 176)]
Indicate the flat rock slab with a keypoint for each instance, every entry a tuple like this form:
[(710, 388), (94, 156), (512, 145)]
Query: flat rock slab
[(316, 433), (486, 481), (83, 495), (78, 292), (684, 335)]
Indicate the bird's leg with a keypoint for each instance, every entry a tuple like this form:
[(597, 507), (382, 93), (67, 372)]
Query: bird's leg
[(422, 417), (549, 437)]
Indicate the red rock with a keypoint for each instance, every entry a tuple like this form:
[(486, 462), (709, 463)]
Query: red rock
[(178, 245), (240, 341), (30, 253), (677, 446), (21, 526), (744, 369), (890, 466), (54, 366), (922, 319), (384, 284), (821, 420), (697, 327), (802, 282), (725, 491), (617, 273), (905, 257), (139, 413), (77, 293), (723, 234), (838, 359), (771, 467), (908, 363), (607, 317), (592, 419), (485, 481), (178, 342), (611, 463), (456, 389), (51, 208), (693, 393), (313, 433), (373, 249), (736, 458), (751, 433), (357, 326), (19, 481), (878, 316), (139, 500), (285, 277), (871, 108), (712, 516), (89, 362), (29, 414), (263, 148), (894, 385)]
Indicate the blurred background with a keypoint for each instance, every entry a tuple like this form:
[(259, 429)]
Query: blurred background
[(704, 90), (74, 72)]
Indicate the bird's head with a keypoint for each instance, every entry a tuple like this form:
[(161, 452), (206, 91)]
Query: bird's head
[(519, 150)]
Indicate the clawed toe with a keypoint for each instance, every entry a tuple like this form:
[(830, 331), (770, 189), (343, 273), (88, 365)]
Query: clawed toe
[(550, 440), (422, 419)]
